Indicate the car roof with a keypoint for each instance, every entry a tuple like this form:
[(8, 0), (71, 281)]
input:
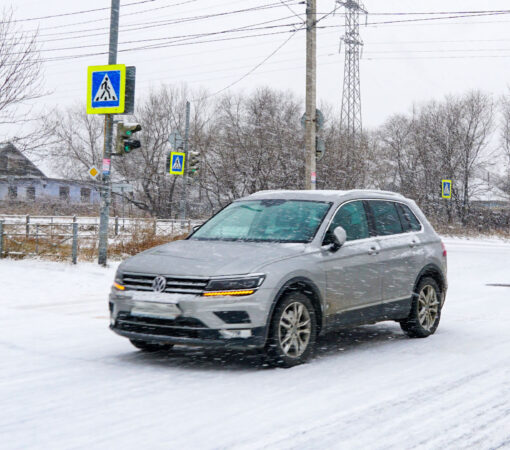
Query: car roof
[(326, 195)]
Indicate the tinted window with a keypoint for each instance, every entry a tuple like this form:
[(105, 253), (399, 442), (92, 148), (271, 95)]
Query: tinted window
[(386, 218), (265, 220), (13, 192), (31, 193), (353, 219), (409, 220), (63, 192)]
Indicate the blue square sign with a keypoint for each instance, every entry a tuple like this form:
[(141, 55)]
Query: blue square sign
[(177, 160), (106, 89)]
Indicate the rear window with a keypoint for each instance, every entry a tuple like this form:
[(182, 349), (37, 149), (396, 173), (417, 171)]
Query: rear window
[(409, 220), (386, 218)]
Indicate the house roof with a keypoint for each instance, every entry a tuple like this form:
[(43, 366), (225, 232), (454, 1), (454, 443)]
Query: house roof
[(13, 163)]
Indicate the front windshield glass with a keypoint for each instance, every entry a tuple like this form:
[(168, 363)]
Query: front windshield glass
[(265, 220)]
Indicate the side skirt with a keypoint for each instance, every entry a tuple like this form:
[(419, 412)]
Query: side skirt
[(395, 310)]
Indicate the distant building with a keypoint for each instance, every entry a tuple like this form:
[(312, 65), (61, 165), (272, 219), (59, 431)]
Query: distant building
[(22, 181)]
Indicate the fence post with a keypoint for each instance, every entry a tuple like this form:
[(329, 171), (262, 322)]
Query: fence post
[(1, 239), (189, 225), (27, 225), (155, 226), (36, 238), (116, 225), (75, 242)]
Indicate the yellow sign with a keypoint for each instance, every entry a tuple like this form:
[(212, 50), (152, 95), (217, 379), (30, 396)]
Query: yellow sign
[(106, 89), (446, 188), (177, 160), (93, 172)]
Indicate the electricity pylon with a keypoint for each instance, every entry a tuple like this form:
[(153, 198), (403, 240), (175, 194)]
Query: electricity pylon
[(350, 118)]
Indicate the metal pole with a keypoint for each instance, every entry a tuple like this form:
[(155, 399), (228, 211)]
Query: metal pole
[(184, 201), (27, 225), (1, 239), (311, 80), (106, 193), (75, 242)]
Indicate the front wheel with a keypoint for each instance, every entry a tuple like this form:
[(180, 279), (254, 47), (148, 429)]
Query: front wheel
[(425, 312), (292, 331), (150, 346)]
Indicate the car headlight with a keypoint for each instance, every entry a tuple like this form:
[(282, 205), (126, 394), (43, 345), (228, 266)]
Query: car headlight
[(234, 286), (118, 283)]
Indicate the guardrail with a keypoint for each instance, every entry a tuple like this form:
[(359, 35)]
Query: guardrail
[(63, 237)]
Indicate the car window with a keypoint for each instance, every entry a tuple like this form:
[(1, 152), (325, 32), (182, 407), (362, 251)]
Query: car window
[(353, 219), (409, 220), (386, 219), (268, 220)]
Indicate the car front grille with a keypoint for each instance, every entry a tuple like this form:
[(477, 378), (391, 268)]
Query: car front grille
[(181, 327), (178, 285)]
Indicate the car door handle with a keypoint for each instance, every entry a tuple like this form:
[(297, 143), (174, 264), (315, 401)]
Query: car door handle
[(413, 243), (373, 251)]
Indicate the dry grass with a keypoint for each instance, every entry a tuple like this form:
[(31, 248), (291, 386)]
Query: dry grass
[(22, 247), (459, 230)]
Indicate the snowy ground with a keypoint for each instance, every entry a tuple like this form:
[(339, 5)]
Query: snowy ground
[(66, 381)]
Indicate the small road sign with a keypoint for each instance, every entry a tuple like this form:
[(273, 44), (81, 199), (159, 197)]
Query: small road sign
[(319, 120), (176, 140), (177, 160), (93, 172), (122, 187), (106, 89), (320, 148), (446, 188)]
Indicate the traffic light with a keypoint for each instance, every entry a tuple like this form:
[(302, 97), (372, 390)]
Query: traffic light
[(193, 162), (125, 132)]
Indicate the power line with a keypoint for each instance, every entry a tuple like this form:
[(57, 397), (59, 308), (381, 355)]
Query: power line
[(141, 26), (74, 13)]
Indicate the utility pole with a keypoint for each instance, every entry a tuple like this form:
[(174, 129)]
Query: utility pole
[(184, 201), (311, 95), (108, 143)]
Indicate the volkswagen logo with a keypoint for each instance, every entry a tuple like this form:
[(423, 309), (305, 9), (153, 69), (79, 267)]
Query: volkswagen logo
[(159, 284)]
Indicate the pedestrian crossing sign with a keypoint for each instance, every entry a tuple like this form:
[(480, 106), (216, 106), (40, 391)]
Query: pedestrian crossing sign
[(447, 188), (177, 160), (106, 88)]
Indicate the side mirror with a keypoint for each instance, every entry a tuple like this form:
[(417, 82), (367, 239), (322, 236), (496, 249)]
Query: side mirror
[(339, 238)]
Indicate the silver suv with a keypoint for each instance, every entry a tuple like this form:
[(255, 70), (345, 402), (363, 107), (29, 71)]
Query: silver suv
[(277, 268)]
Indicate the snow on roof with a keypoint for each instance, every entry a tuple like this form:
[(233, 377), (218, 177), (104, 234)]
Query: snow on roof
[(329, 195)]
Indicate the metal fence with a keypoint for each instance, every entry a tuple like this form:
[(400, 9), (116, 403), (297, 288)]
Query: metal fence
[(62, 237)]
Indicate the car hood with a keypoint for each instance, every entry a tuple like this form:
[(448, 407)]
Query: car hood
[(209, 258)]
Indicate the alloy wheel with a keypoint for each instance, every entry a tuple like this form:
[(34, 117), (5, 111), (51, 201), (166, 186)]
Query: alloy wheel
[(428, 307), (294, 329)]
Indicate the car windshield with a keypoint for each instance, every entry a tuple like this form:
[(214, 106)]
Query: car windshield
[(265, 220)]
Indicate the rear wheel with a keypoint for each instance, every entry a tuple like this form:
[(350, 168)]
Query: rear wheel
[(425, 312), (150, 346), (292, 331)]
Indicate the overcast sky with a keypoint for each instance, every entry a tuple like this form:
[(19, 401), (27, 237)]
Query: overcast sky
[(402, 63)]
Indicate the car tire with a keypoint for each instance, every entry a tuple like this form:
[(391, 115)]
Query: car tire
[(292, 331), (425, 314), (150, 347)]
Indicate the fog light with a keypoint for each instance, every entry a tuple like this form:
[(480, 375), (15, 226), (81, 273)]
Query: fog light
[(229, 334)]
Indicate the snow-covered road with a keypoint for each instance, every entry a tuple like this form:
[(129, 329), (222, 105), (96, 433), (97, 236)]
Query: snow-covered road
[(66, 381)]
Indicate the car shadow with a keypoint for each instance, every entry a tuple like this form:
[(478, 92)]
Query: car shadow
[(328, 345)]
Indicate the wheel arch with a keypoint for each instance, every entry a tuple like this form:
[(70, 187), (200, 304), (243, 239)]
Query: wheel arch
[(307, 287), (433, 271)]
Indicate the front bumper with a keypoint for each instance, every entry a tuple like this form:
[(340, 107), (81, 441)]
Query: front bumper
[(224, 321)]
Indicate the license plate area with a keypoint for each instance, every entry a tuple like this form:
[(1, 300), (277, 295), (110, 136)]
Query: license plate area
[(156, 310)]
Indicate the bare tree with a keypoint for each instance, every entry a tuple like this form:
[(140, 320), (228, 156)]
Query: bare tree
[(75, 141), (20, 70)]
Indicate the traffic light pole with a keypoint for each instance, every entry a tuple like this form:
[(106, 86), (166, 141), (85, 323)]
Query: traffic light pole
[(184, 200), (311, 99), (108, 144)]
